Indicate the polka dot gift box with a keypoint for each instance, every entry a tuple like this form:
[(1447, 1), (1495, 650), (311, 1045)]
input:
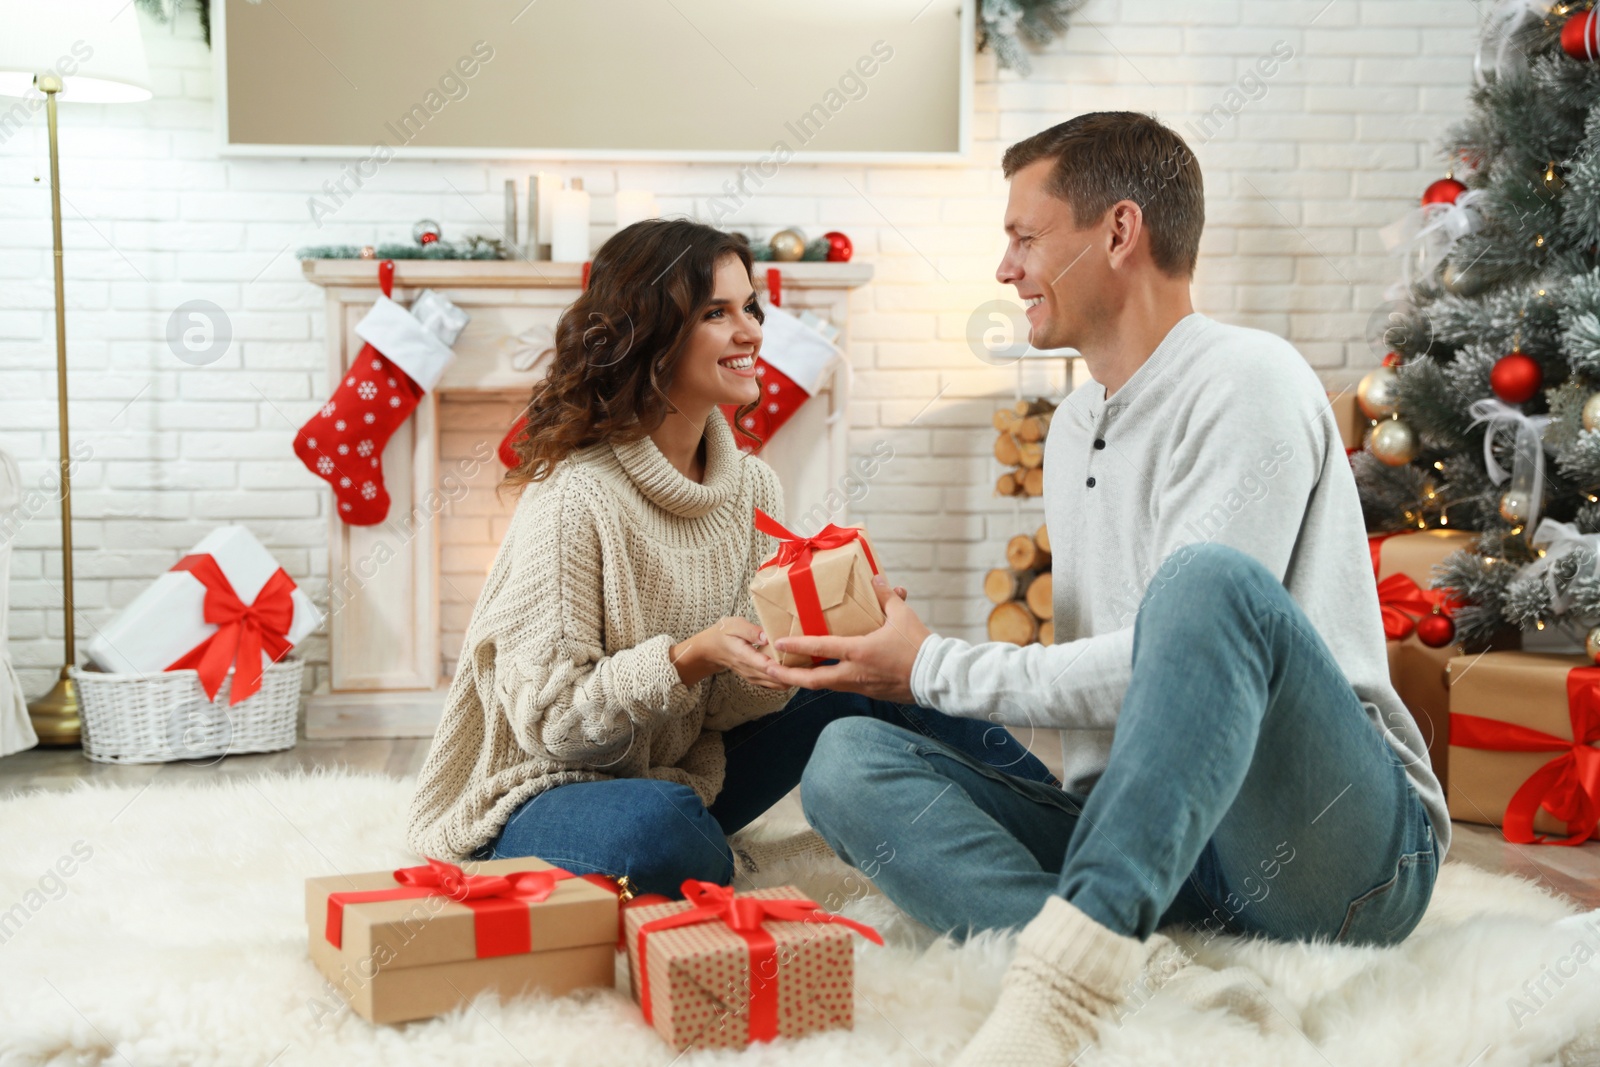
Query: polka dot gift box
[(723, 970)]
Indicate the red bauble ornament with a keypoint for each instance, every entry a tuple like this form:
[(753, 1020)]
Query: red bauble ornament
[(429, 238), (839, 247), (1580, 36), (1392, 360), (1443, 191), (1516, 377), (1436, 630)]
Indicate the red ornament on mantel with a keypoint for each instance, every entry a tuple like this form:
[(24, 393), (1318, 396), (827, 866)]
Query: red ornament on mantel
[(1443, 191), (1436, 630), (1516, 377), (839, 247), (1580, 36)]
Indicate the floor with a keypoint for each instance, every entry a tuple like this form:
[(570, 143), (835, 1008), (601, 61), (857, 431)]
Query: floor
[(1573, 872)]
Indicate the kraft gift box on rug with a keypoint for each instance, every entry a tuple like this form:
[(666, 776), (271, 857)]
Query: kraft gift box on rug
[(721, 969), (419, 941)]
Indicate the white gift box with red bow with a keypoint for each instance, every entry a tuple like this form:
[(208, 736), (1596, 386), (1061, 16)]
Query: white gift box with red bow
[(230, 578)]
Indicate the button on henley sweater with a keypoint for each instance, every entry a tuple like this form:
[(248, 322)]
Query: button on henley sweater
[(1223, 435), (565, 672)]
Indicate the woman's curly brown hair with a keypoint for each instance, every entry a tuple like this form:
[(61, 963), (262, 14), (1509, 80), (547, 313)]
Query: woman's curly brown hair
[(617, 346)]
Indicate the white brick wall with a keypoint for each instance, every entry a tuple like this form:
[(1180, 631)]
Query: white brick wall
[(1297, 183)]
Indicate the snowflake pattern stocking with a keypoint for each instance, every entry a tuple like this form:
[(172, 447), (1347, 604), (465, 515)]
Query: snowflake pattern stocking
[(404, 354)]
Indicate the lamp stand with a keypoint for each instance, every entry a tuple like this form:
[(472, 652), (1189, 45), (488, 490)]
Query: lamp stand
[(55, 715)]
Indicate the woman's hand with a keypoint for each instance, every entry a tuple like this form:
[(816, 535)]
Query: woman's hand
[(731, 645)]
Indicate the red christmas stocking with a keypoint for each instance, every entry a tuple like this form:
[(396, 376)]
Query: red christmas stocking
[(792, 365), (404, 354)]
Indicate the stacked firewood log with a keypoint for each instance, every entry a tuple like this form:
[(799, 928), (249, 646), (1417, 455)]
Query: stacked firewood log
[(1020, 591), (1020, 446)]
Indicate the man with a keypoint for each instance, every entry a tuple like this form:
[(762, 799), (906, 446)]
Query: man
[(1214, 604)]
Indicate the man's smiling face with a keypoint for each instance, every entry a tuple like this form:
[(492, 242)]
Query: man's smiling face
[(1057, 269)]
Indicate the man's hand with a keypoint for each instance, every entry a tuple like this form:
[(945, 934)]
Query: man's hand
[(875, 665)]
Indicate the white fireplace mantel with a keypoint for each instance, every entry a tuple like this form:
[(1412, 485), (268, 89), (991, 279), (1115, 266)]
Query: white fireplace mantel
[(384, 677)]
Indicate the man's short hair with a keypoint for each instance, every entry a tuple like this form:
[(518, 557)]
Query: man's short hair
[(1107, 156)]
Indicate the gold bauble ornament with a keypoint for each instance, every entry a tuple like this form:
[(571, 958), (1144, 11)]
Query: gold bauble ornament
[(1591, 412), (1514, 506), (1591, 645), (1375, 395), (1392, 442), (1462, 282), (788, 245)]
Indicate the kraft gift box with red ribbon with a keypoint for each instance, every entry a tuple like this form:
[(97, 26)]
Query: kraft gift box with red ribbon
[(815, 586), (721, 969), (225, 604), (1525, 745), (1403, 565), (419, 941)]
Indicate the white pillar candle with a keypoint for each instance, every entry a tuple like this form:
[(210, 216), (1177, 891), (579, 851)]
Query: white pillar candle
[(569, 224), (546, 186), (635, 205)]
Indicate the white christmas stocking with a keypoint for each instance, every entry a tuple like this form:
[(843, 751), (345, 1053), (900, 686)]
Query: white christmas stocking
[(404, 355)]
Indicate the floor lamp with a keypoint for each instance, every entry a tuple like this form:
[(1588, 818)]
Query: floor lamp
[(91, 51)]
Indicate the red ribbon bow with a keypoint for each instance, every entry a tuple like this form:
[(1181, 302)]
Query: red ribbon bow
[(1400, 598), (1568, 787), (795, 553), (244, 631), (501, 925), (745, 916)]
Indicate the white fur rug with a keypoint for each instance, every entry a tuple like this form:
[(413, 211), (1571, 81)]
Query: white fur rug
[(179, 938)]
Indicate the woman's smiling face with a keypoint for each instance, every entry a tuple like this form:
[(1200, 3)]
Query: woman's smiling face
[(718, 365)]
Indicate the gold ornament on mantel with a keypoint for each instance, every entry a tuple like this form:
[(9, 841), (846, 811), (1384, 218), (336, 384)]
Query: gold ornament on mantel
[(788, 245), (1375, 394), (1591, 412), (1514, 506), (1591, 645), (1392, 442)]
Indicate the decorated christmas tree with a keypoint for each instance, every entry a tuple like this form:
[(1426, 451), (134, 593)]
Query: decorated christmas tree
[(1487, 408)]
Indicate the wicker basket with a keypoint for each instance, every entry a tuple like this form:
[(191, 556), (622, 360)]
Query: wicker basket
[(165, 716)]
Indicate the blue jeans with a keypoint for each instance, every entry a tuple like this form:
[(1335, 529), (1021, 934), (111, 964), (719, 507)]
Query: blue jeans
[(1247, 792), (659, 833)]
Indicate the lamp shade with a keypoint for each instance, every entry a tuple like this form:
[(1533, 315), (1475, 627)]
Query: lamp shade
[(93, 46)]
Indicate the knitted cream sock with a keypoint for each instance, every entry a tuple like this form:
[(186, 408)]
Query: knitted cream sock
[(1069, 973), (754, 856)]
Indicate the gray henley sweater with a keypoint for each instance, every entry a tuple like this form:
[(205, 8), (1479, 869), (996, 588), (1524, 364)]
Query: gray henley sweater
[(1223, 435)]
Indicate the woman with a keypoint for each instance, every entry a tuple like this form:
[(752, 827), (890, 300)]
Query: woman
[(610, 712)]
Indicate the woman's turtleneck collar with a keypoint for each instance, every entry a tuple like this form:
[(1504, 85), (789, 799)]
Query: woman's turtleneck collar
[(668, 488)]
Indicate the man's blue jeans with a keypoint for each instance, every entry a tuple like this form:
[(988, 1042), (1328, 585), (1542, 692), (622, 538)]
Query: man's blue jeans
[(659, 833), (1247, 792)]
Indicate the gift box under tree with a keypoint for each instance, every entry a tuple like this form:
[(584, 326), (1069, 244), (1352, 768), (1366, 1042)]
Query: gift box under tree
[(1525, 745), (721, 970), (419, 941), (1403, 564)]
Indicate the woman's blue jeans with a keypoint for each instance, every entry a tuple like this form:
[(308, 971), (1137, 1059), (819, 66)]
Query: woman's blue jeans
[(659, 833), (1246, 792)]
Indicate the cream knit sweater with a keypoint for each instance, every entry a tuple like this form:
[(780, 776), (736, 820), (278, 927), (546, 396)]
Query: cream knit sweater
[(565, 673)]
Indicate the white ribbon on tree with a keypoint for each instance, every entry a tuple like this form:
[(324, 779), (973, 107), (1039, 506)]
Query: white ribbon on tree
[(1428, 233), (1527, 455), (1503, 22), (1562, 540)]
